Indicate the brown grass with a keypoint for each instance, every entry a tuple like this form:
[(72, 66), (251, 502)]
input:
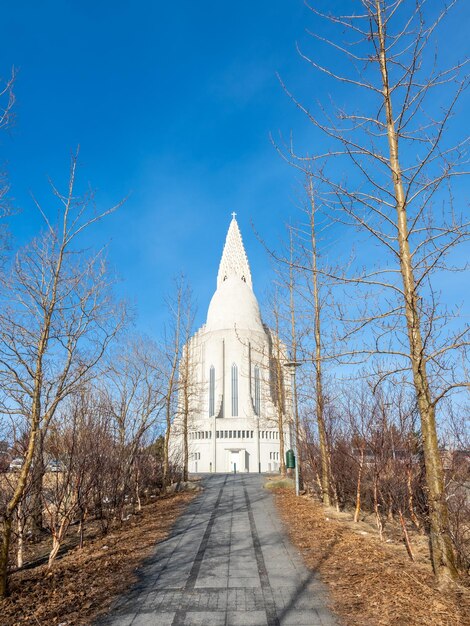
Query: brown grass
[(279, 483), (371, 583), (83, 583)]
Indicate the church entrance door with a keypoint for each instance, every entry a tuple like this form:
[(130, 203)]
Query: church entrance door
[(235, 461)]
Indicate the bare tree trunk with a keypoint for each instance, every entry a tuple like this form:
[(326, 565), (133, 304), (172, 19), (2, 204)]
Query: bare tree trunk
[(175, 348), (20, 530), (282, 447), (185, 391), (280, 399), (334, 488), (320, 404), (358, 487), (81, 528), (53, 553), (137, 490), (294, 359), (378, 517), (37, 478), (185, 447), (166, 451), (411, 508), (318, 480), (406, 537), (20, 487), (4, 552), (442, 555), (390, 509), (58, 537)]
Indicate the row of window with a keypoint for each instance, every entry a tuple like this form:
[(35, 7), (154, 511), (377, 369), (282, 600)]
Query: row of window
[(196, 456), (269, 434), (234, 434), (234, 381), (201, 434)]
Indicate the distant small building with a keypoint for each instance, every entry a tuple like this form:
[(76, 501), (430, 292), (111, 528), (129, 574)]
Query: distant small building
[(4, 456), (455, 459), (236, 380), (462, 457)]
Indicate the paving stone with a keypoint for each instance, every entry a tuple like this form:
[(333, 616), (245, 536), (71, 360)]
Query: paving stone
[(222, 603), (210, 581), (151, 619), (300, 618), (246, 618), (229, 565), (214, 618), (117, 620), (249, 582)]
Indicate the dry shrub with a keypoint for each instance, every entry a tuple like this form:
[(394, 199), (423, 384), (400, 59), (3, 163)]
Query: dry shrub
[(370, 583), (84, 582)]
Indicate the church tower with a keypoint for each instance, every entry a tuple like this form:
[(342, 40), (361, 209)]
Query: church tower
[(237, 394)]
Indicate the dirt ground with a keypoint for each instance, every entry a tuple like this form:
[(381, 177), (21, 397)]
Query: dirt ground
[(83, 583), (372, 583)]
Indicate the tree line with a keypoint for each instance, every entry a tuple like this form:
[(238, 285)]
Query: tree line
[(385, 380), (83, 398)]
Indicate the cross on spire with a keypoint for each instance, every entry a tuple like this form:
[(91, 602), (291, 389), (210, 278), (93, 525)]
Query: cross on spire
[(234, 215)]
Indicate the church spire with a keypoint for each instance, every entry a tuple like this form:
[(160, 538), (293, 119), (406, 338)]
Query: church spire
[(234, 262)]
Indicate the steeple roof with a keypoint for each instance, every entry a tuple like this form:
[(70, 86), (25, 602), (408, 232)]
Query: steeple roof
[(234, 262), (234, 304)]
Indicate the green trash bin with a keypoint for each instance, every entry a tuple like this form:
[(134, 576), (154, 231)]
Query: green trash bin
[(290, 459)]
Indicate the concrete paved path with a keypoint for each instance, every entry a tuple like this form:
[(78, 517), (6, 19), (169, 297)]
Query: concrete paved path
[(227, 562)]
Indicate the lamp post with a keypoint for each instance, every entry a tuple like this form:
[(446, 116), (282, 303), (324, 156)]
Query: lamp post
[(292, 366)]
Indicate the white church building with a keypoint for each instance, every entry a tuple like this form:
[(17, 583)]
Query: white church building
[(238, 385)]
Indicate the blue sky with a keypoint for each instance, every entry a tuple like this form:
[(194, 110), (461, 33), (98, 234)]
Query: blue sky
[(172, 104)]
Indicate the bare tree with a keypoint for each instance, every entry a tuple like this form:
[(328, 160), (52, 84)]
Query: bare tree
[(188, 386), (294, 352), (358, 423), (57, 318), (308, 344), (180, 320), (318, 356), (402, 161), (133, 395), (7, 101), (71, 468), (277, 358)]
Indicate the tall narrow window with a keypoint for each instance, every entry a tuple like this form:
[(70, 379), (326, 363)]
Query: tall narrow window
[(211, 391), (257, 392), (234, 390)]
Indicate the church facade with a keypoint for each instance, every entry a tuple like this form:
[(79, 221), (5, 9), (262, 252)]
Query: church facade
[(238, 394)]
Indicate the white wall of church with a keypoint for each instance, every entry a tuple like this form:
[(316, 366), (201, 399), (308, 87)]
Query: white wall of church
[(233, 423), (236, 449)]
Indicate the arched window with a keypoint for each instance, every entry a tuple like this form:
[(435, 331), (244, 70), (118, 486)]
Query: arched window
[(257, 397), (211, 391), (234, 390)]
